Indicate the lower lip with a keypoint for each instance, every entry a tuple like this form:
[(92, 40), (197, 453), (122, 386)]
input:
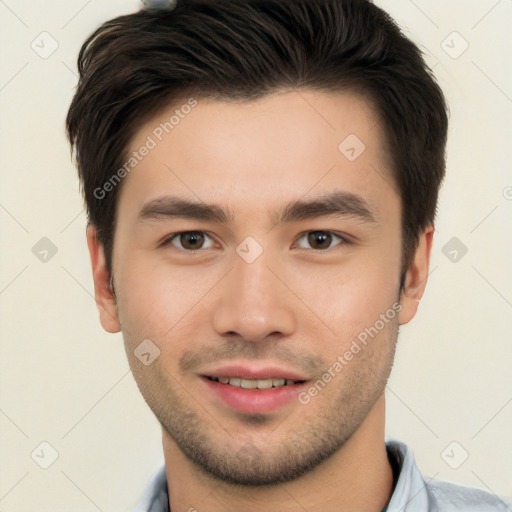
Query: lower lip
[(254, 401)]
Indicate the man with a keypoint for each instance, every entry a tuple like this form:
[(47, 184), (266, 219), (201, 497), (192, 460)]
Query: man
[(261, 179)]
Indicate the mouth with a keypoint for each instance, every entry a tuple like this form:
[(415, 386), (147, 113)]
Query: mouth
[(255, 384), (250, 390)]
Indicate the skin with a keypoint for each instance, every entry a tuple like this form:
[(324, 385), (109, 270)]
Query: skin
[(298, 306)]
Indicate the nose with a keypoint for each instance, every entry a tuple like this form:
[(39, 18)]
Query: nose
[(254, 304)]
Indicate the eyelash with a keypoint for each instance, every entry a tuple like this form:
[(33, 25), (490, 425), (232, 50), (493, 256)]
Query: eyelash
[(175, 236), (342, 240)]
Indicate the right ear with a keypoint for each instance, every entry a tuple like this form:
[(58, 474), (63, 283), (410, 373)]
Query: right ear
[(103, 293)]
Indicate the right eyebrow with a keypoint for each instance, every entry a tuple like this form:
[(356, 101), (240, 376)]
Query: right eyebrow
[(174, 207)]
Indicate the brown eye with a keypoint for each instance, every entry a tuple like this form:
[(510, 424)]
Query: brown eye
[(189, 241), (319, 239), (192, 241)]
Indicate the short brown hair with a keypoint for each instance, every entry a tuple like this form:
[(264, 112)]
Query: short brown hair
[(135, 65)]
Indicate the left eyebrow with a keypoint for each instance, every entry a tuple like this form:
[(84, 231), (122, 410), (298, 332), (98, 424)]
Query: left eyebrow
[(338, 203)]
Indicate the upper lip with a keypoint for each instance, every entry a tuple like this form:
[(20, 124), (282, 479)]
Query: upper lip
[(253, 372)]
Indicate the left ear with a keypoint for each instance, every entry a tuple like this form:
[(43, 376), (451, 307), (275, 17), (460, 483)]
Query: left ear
[(416, 277)]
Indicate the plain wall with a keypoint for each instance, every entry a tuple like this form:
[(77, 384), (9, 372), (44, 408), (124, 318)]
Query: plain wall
[(64, 381)]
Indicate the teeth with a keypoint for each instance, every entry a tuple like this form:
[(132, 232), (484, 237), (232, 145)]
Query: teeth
[(249, 384), (254, 383), (235, 381), (265, 383)]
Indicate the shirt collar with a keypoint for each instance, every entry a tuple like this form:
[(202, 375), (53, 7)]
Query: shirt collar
[(411, 492)]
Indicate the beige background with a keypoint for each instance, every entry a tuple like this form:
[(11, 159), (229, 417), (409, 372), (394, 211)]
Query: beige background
[(65, 382)]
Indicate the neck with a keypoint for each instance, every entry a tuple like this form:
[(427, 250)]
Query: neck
[(356, 477)]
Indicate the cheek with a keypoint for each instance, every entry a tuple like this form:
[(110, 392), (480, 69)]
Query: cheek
[(156, 300), (351, 297)]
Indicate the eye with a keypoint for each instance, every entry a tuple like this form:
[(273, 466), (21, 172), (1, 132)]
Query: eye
[(319, 240), (190, 241)]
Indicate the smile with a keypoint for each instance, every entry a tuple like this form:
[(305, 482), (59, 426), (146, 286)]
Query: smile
[(247, 395), (239, 382)]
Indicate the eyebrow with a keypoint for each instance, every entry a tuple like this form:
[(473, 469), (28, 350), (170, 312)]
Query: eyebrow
[(338, 203), (175, 207)]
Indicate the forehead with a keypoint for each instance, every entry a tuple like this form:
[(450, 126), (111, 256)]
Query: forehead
[(252, 155)]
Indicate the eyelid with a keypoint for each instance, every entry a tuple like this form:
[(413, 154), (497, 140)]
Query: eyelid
[(168, 240), (344, 240)]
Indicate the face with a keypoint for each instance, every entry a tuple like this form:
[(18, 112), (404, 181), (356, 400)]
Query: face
[(256, 254)]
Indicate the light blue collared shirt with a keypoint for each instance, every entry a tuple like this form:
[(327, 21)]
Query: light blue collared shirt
[(413, 493)]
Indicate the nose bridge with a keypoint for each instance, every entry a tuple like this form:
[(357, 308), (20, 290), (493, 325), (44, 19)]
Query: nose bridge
[(252, 259), (253, 304)]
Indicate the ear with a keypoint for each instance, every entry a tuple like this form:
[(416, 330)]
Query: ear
[(103, 293), (416, 277)]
